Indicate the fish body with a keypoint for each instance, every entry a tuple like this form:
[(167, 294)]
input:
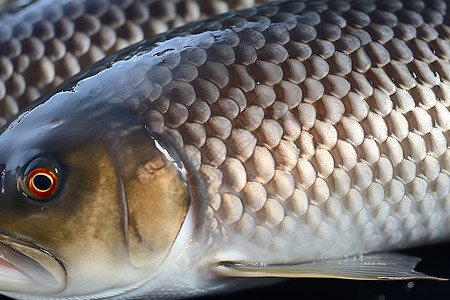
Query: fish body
[(294, 139)]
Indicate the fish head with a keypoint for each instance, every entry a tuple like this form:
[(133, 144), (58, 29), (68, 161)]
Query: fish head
[(91, 200)]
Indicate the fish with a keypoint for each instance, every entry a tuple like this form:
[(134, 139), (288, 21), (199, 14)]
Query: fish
[(292, 139)]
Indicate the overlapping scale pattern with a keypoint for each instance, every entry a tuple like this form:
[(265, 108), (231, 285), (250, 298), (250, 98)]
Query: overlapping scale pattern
[(45, 43), (320, 129)]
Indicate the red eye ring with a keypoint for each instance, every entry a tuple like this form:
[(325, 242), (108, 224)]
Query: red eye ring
[(42, 183)]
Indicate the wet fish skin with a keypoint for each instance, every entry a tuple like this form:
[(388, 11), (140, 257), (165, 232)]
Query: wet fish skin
[(58, 39), (329, 173)]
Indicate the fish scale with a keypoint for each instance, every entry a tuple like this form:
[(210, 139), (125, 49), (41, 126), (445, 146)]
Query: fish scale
[(311, 142)]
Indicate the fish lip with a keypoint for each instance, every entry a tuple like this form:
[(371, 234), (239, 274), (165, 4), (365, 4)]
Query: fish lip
[(28, 268)]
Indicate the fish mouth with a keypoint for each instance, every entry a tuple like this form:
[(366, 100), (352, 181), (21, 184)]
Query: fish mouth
[(27, 268)]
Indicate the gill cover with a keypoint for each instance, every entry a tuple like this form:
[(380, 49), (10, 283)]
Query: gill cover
[(156, 194)]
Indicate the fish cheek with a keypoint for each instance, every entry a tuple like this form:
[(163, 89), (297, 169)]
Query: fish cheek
[(83, 226), (90, 214)]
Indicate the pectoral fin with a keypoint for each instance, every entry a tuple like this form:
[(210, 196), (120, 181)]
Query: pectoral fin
[(380, 266)]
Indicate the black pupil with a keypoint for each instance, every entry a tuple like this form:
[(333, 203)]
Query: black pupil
[(42, 182)]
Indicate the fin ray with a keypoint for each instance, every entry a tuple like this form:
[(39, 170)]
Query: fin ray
[(379, 266)]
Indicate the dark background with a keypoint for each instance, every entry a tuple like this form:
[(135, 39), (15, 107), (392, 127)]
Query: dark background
[(435, 261)]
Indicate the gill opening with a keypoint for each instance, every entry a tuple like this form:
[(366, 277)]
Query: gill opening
[(123, 203)]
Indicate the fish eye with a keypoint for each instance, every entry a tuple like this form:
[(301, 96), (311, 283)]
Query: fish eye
[(42, 183), (40, 180)]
